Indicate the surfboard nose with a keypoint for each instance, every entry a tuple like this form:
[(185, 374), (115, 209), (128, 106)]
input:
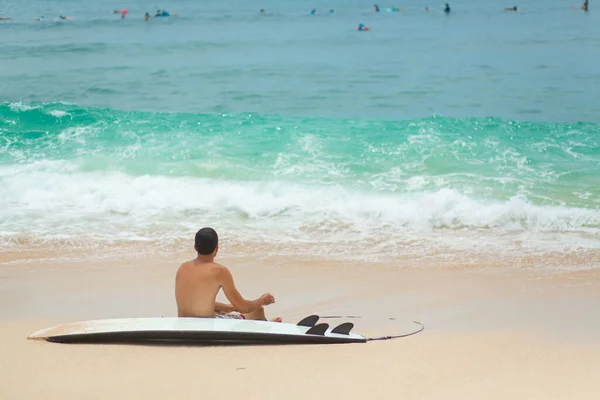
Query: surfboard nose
[(39, 335)]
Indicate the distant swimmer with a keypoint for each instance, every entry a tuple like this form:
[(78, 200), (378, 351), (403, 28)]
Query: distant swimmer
[(4, 18), (123, 12), (39, 19), (162, 13), (512, 9), (64, 17), (147, 16), (313, 11), (331, 11), (376, 8), (426, 9), (262, 11), (586, 5), (447, 8), (362, 27)]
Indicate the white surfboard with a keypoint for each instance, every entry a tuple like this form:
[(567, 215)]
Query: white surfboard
[(198, 330)]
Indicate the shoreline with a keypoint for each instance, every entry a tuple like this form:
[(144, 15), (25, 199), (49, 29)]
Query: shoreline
[(56, 251)]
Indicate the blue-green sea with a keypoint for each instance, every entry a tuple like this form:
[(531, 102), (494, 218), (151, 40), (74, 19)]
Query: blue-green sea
[(431, 136)]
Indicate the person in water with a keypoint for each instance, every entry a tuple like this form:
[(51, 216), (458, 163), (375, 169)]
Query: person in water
[(162, 13), (198, 282), (362, 27), (447, 8), (313, 11), (376, 8), (4, 18), (147, 16), (512, 9), (64, 17), (586, 5)]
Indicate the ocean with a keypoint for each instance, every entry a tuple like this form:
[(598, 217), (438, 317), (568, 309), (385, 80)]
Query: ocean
[(460, 137)]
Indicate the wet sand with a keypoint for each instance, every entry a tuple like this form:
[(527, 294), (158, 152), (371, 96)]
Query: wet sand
[(490, 333)]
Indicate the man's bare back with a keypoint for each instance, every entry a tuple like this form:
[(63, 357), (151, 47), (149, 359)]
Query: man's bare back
[(198, 282)]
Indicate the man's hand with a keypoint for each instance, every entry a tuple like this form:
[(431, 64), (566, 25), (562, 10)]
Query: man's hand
[(267, 299)]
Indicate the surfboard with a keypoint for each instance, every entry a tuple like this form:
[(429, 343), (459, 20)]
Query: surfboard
[(193, 330)]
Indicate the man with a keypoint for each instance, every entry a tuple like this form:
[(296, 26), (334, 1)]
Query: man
[(199, 280)]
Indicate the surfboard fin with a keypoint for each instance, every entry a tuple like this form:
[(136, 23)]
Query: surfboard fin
[(343, 329), (318, 329), (309, 321)]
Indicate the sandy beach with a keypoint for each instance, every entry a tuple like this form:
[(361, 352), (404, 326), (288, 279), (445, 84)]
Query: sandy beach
[(492, 333)]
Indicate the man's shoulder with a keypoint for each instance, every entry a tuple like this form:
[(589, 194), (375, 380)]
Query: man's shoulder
[(186, 264), (217, 267), (213, 266)]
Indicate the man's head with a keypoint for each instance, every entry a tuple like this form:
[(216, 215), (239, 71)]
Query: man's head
[(206, 241)]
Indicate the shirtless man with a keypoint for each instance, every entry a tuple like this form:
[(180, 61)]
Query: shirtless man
[(199, 280)]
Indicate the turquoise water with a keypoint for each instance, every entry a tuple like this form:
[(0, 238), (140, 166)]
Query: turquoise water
[(430, 135)]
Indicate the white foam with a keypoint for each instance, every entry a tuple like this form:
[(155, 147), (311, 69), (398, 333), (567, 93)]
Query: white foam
[(58, 113), (52, 199), (76, 134), (21, 107)]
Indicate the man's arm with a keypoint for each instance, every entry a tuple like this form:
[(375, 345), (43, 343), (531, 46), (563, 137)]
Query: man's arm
[(223, 308), (237, 301)]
